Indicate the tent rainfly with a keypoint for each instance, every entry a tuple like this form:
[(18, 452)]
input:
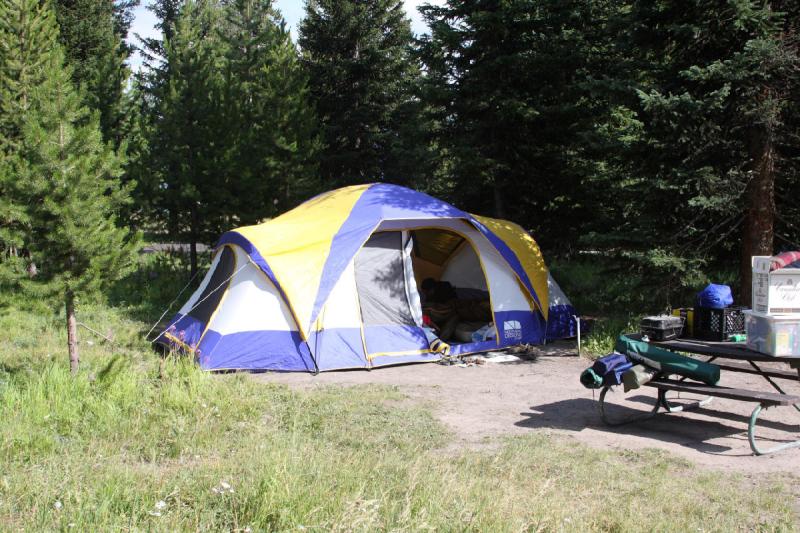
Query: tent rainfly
[(334, 284)]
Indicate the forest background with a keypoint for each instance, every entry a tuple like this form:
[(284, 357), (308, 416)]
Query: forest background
[(651, 145)]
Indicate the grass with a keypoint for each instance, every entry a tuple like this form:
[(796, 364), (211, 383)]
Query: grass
[(120, 448), (601, 339)]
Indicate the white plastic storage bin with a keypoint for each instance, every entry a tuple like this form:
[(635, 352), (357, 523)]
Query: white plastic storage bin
[(776, 335), (776, 292)]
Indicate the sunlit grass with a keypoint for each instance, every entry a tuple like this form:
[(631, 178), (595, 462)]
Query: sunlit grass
[(122, 446)]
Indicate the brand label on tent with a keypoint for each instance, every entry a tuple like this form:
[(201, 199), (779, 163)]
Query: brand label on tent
[(512, 329)]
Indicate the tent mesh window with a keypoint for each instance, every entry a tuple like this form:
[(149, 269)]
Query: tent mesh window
[(380, 281)]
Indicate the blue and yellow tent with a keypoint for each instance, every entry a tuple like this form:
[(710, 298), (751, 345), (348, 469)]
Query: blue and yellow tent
[(333, 284)]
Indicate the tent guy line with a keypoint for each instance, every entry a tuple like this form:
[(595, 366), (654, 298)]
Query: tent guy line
[(157, 322), (193, 307)]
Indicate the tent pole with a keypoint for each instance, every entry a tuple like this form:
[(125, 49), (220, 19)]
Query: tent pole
[(578, 323)]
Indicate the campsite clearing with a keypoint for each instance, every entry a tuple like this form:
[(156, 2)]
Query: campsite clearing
[(483, 402), (194, 450)]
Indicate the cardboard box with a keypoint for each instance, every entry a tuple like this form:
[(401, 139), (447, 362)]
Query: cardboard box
[(776, 335), (776, 292)]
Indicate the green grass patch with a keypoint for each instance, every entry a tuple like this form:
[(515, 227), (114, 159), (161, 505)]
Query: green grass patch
[(126, 450), (120, 448), (605, 331)]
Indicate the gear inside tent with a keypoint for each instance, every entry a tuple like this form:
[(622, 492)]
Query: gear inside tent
[(338, 282)]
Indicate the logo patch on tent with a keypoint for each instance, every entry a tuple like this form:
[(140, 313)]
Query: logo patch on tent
[(512, 329)]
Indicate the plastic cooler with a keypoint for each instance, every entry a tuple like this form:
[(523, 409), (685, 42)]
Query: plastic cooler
[(776, 335)]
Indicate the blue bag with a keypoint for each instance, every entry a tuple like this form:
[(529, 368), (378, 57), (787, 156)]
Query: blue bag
[(715, 296), (611, 367), (607, 363), (615, 376)]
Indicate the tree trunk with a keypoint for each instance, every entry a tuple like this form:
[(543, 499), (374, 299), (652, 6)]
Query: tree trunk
[(193, 243), (193, 257), (499, 202), (72, 333), (759, 207)]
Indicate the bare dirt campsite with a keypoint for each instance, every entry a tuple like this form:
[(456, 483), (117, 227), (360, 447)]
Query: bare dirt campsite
[(482, 403)]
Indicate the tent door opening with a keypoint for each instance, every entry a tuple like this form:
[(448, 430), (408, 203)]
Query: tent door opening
[(459, 305), (389, 271)]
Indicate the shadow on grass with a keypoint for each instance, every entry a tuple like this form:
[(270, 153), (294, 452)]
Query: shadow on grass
[(10, 369)]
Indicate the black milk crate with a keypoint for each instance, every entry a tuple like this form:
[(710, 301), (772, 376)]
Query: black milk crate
[(662, 327), (717, 324)]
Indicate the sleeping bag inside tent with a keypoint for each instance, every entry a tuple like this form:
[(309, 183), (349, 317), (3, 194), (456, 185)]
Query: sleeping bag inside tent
[(338, 283)]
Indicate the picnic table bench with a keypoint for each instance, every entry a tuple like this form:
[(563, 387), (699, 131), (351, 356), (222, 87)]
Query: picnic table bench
[(727, 352)]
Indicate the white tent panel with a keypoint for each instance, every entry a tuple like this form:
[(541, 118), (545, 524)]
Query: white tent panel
[(557, 296), (252, 303), (506, 292), (464, 269), (412, 294), (341, 309)]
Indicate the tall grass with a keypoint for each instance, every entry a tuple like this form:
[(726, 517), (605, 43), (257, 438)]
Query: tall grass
[(123, 447), (125, 450)]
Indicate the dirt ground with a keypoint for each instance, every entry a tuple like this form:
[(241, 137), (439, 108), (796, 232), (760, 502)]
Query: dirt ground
[(494, 399)]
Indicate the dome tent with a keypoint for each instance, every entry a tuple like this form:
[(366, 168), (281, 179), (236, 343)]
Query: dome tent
[(333, 284)]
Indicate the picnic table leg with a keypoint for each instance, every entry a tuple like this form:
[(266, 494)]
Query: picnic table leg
[(662, 397), (751, 435), (609, 422), (771, 382)]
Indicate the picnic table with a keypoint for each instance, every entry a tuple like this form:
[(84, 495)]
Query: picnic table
[(730, 357)]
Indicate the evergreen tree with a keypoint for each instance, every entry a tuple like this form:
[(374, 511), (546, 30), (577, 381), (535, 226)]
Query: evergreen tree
[(190, 128), (521, 89), (92, 33), (272, 128), (137, 128), (155, 72), (362, 76), (231, 132), (713, 86), (70, 175), (26, 35), (145, 166)]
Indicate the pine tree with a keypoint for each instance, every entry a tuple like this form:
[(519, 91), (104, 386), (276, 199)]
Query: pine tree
[(189, 146), (362, 75), (70, 175), (26, 35), (272, 129), (231, 133), (714, 110), (520, 89), (92, 33)]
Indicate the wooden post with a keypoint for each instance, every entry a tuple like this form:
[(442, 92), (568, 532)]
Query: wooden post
[(72, 333)]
